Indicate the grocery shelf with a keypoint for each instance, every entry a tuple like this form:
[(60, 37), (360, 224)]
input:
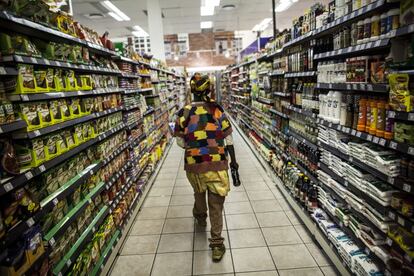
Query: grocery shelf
[(65, 263), (281, 114), (401, 220), (401, 147), (10, 127), (355, 50), (8, 71), (305, 112), (30, 28), (281, 94), (149, 111), (318, 236), (276, 73), (106, 253), (131, 91), (61, 64), (59, 95), (133, 212), (265, 100), (302, 139), (46, 130), (21, 179), (135, 124), (300, 74), (369, 87), (398, 249), (402, 116)]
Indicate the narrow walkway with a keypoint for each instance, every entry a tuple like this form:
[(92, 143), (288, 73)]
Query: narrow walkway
[(263, 235)]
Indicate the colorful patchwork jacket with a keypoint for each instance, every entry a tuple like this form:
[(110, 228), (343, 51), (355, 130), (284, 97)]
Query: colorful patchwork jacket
[(203, 126)]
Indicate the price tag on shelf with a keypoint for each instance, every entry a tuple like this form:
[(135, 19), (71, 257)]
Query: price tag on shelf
[(18, 58), (8, 187), (42, 168), (391, 215), (406, 188), (410, 150), (28, 175), (382, 142), (353, 132), (68, 263), (33, 60), (401, 221), (390, 180), (393, 145), (58, 63), (369, 137), (55, 201), (30, 222), (389, 242), (375, 140), (330, 124), (52, 241), (36, 133), (351, 159)]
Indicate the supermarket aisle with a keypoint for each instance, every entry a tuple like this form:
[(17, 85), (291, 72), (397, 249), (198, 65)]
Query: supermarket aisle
[(263, 236)]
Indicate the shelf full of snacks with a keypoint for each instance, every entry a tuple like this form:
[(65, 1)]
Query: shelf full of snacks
[(79, 141), (339, 96)]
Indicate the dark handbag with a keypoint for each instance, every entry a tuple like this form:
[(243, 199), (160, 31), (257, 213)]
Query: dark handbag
[(236, 177)]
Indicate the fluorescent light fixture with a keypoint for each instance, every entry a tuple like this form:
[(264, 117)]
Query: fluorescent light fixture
[(227, 54), (207, 7), (206, 24), (139, 32), (175, 58), (112, 8), (207, 10), (115, 16), (262, 25), (284, 5)]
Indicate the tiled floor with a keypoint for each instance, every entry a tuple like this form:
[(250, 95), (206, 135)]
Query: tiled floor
[(263, 235)]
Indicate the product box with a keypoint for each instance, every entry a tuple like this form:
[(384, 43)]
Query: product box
[(400, 97)]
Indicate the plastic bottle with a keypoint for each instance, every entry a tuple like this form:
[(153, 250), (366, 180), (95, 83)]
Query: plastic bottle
[(362, 117), (389, 124), (321, 106), (374, 117), (344, 113), (368, 117), (336, 107), (375, 27), (380, 119), (355, 117), (329, 111)]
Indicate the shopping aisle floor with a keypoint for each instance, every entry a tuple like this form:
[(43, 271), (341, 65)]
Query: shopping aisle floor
[(263, 235)]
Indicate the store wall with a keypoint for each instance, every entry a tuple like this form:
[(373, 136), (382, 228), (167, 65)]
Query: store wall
[(202, 50)]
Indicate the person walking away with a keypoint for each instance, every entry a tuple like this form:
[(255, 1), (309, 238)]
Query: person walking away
[(205, 133)]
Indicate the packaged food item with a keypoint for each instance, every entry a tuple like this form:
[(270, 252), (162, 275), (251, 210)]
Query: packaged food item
[(44, 114), (9, 165), (30, 153), (41, 80), (26, 81), (400, 96)]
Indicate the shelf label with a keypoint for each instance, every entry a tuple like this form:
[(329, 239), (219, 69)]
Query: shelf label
[(391, 215), (382, 142), (410, 150), (18, 59), (358, 134), (393, 145), (46, 61), (389, 242), (68, 263), (55, 201), (58, 63), (353, 132), (28, 175), (391, 180), (36, 133), (52, 241), (401, 221), (42, 168), (8, 187), (367, 251), (406, 188), (33, 60), (30, 222)]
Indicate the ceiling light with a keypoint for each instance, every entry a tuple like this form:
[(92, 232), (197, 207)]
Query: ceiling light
[(284, 5), (111, 7), (210, 3), (262, 25), (115, 16), (228, 7), (206, 24), (140, 31), (175, 58), (227, 54), (207, 10)]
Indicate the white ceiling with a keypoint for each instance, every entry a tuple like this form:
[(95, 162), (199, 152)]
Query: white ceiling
[(183, 16)]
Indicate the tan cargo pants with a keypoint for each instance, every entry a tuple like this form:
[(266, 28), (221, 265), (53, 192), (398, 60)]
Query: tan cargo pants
[(216, 186)]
